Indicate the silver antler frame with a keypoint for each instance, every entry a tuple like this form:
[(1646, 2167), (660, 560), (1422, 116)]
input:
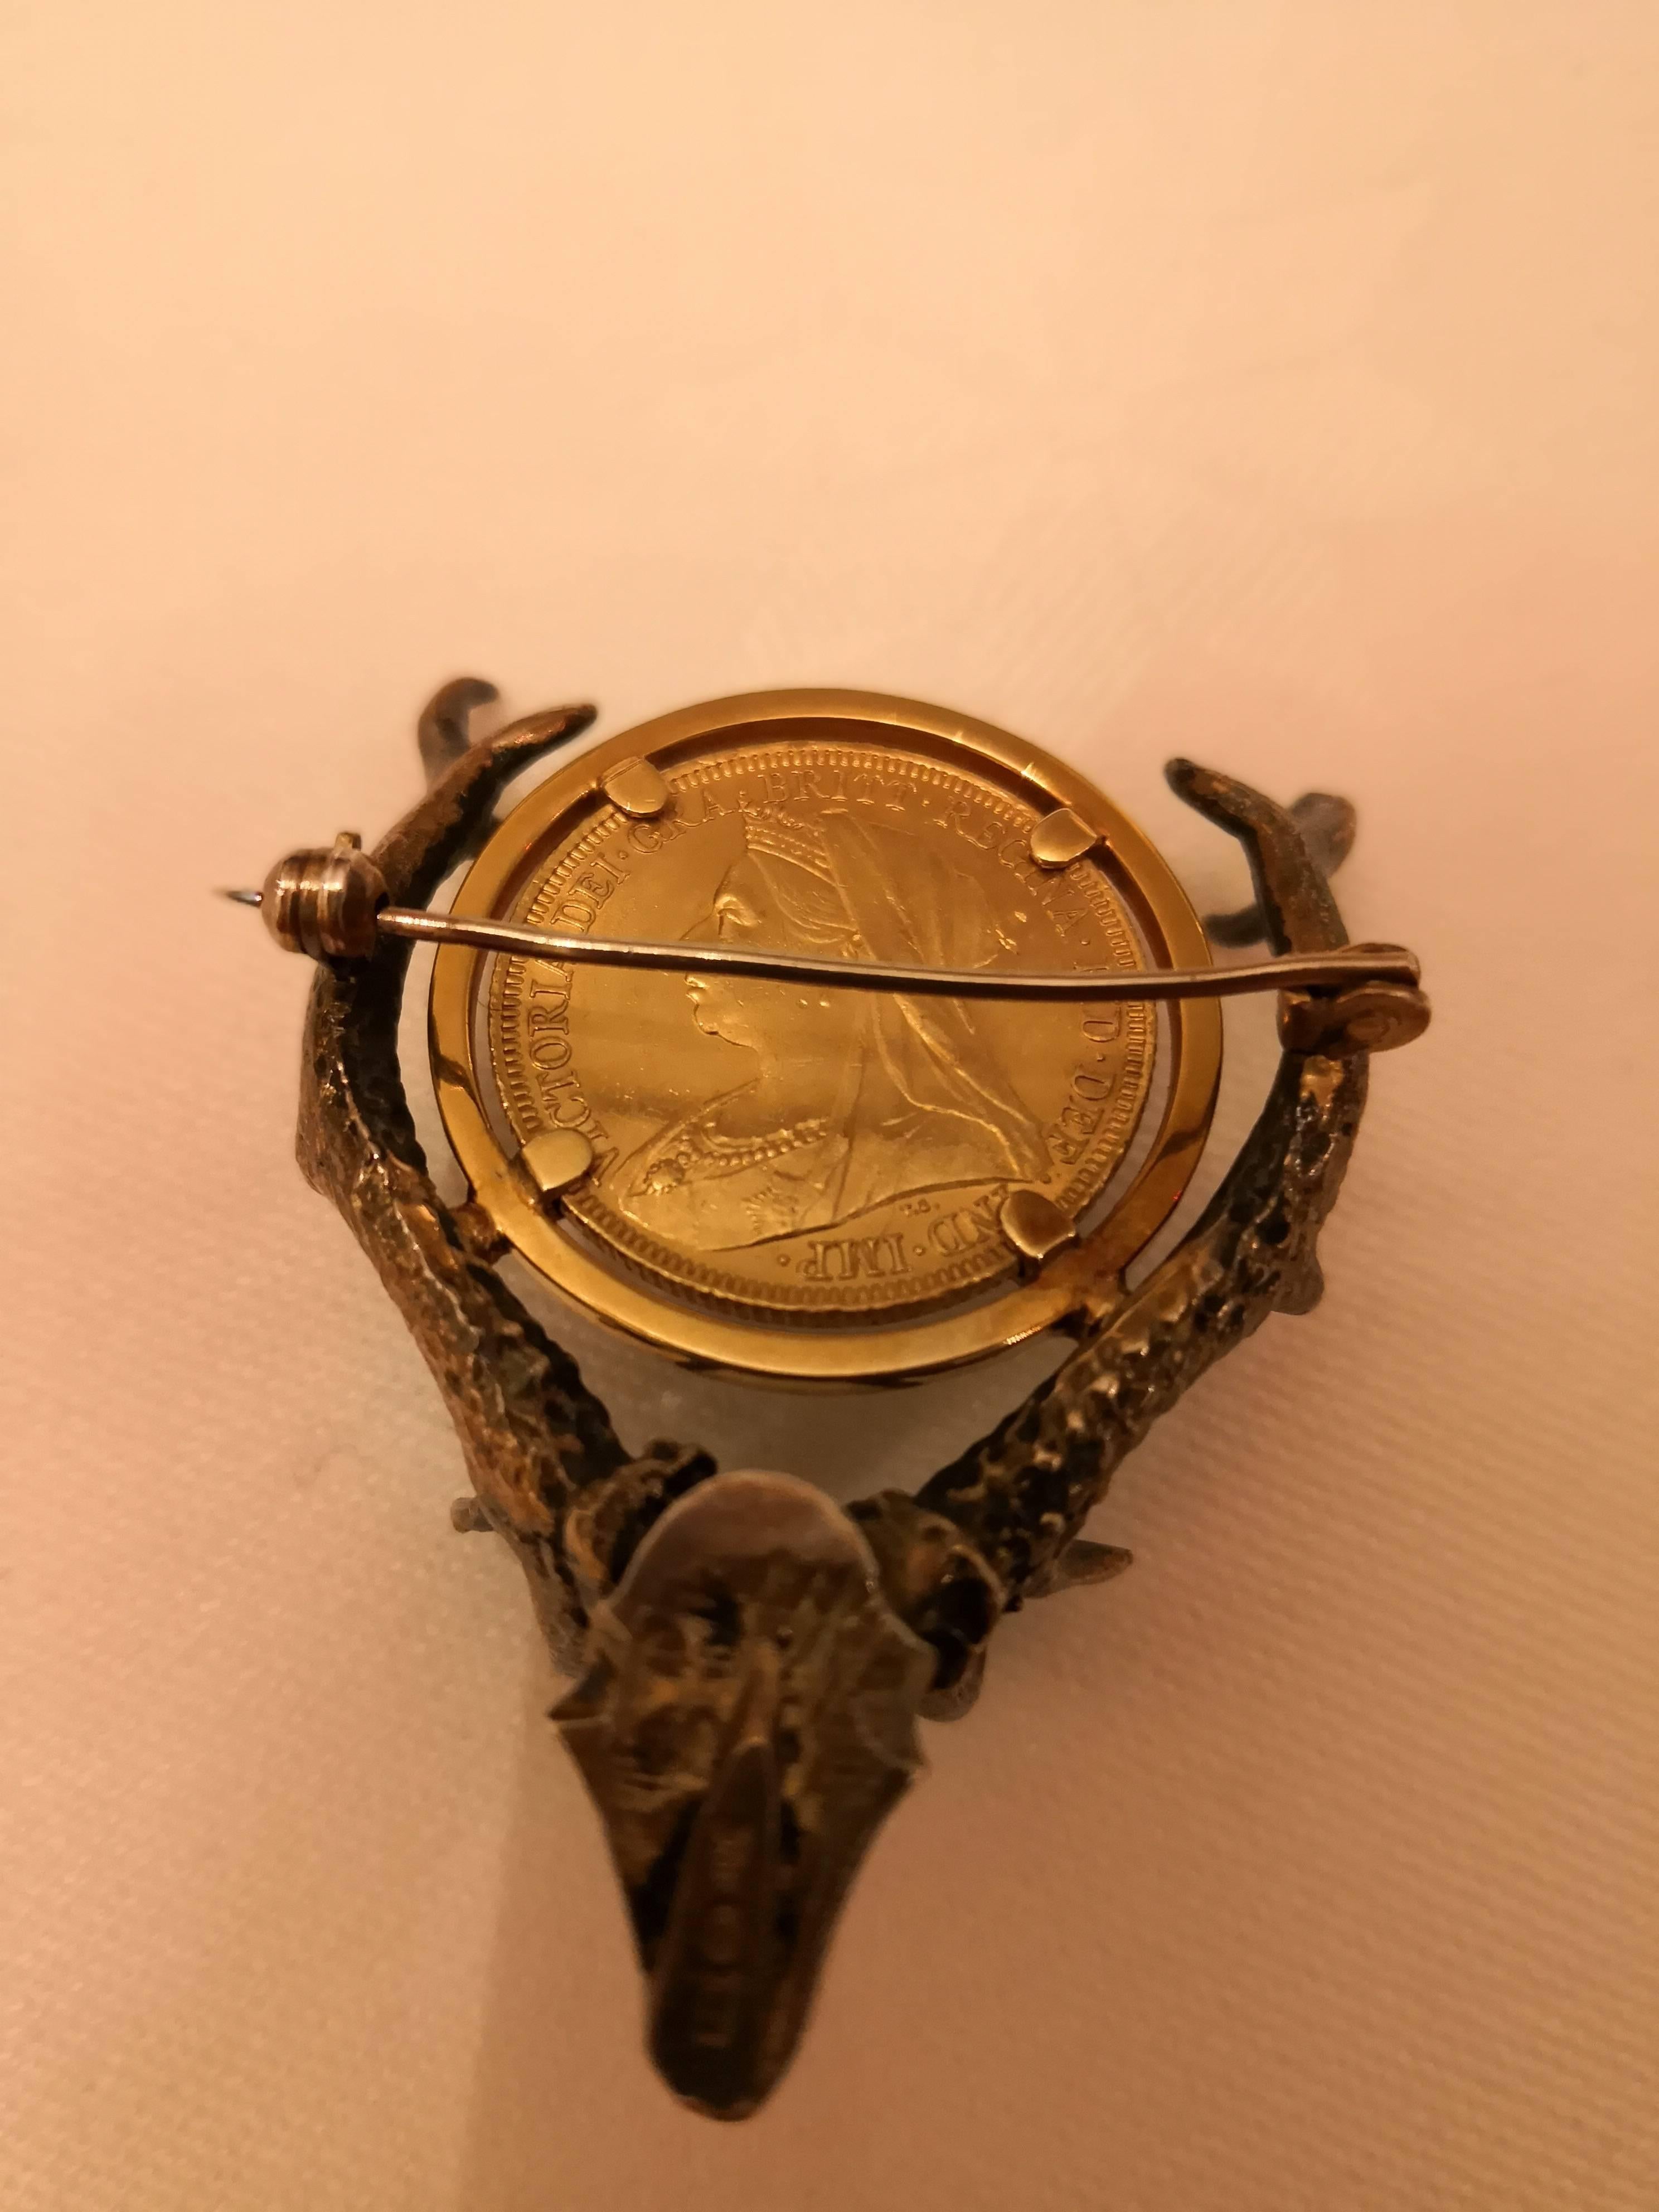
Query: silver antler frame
[(750, 1660)]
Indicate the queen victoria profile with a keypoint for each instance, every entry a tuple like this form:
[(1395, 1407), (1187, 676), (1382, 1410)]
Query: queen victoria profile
[(855, 1098)]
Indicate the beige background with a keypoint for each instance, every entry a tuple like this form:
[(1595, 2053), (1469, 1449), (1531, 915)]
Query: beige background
[(1274, 382)]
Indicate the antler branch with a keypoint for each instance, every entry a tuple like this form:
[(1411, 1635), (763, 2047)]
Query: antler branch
[(1018, 1498), (535, 1438)]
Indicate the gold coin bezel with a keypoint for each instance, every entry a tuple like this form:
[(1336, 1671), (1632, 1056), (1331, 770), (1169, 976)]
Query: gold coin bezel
[(1082, 1278)]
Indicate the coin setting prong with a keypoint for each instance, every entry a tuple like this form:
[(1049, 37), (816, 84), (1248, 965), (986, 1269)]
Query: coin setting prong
[(1061, 837), (637, 788), (1035, 1227), (552, 1163)]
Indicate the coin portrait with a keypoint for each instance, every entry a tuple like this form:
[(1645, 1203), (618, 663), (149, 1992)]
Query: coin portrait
[(854, 1100), (804, 1151)]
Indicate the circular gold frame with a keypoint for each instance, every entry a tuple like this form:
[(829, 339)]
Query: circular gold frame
[(1080, 1279)]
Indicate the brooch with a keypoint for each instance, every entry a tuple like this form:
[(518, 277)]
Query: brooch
[(824, 1039)]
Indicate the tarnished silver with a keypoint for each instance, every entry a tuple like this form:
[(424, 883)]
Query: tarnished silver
[(750, 1659), (750, 1617)]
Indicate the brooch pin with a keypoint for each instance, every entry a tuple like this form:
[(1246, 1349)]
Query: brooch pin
[(821, 1039)]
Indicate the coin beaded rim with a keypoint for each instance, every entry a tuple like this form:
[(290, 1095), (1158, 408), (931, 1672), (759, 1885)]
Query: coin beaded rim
[(1083, 1279)]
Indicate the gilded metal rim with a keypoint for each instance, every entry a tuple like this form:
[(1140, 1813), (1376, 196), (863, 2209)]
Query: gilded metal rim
[(1082, 1278)]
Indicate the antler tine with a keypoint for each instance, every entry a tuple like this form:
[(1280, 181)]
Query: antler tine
[(1298, 909), (443, 732), (1327, 825)]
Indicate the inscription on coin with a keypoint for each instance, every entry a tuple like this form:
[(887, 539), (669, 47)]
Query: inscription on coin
[(809, 1153)]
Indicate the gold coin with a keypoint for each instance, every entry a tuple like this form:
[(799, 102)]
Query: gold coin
[(805, 1155)]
